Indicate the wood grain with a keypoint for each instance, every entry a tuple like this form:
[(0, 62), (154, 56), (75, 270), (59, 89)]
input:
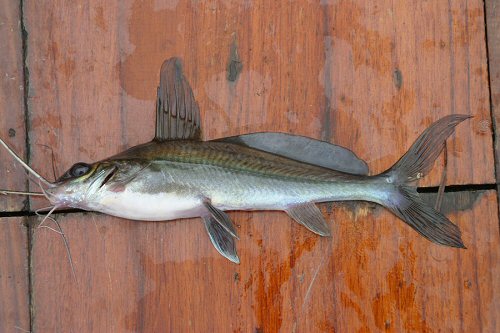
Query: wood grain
[(368, 76), (396, 67), (317, 70), (366, 277), (14, 285), (15, 310), (12, 124), (493, 26)]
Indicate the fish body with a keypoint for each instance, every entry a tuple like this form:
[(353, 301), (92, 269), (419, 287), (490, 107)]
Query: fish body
[(168, 180), (178, 175)]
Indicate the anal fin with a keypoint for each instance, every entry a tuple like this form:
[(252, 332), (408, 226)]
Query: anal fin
[(309, 215), (221, 239)]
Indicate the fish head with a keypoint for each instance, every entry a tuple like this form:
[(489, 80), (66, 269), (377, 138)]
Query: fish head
[(83, 184)]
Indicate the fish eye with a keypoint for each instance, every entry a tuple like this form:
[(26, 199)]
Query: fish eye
[(79, 169)]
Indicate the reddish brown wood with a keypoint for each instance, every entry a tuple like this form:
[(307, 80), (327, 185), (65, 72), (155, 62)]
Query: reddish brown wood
[(493, 26), (14, 312), (14, 308), (397, 66), (12, 125), (367, 277), (370, 76), (284, 84)]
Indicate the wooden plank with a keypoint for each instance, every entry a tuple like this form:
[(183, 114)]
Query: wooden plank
[(367, 277), (12, 126), (398, 66), (14, 284), (282, 83), (313, 69), (493, 28)]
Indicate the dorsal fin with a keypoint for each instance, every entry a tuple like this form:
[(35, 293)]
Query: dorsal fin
[(177, 113), (303, 149)]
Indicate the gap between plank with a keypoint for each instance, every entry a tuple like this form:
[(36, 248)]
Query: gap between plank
[(26, 85)]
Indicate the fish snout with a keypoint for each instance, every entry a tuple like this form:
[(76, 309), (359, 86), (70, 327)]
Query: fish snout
[(59, 195)]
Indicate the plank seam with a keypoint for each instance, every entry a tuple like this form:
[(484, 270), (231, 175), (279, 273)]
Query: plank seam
[(488, 26), (26, 77), (492, 111)]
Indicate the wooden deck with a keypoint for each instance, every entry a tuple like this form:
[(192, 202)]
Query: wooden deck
[(369, 75)]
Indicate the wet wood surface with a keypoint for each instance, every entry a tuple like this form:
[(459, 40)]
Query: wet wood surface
[(14, 290), (367, 76), (147, 277)]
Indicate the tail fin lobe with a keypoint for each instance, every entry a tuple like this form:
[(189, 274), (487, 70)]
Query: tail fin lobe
[(404, 201), (407, 205), (421, 156)]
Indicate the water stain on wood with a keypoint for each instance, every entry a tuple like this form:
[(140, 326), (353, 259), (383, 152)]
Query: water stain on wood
[(234, 65), (455, 201), (269, 311), (386, 308), (173, 295), (99, 18), (328, 90), (369, 47), (397, 76)]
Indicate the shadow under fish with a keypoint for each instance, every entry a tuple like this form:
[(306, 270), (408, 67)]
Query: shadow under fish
[(178, 175)]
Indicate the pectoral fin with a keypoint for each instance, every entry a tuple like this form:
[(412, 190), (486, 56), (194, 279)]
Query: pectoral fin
[(222, 218), (310, 217), (221, 239)]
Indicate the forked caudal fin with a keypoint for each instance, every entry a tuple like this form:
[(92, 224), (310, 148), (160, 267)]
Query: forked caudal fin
[(404, 200)]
